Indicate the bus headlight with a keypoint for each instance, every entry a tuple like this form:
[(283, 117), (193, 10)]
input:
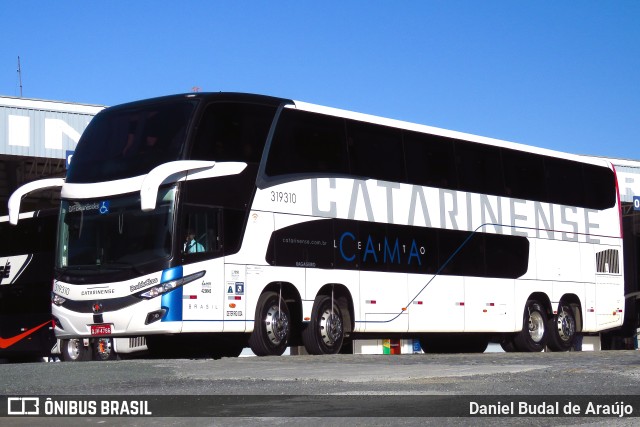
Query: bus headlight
[(170, 285), (160, 289)]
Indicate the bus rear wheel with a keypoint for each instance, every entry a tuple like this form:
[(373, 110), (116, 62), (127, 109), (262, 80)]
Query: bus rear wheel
[(533, 337), (325, 332), (562, 329), (272, 326), (73, 350)]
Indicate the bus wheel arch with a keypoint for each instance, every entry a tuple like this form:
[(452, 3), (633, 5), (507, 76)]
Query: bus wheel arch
[(534, 334), (331, 320), (565, 324)]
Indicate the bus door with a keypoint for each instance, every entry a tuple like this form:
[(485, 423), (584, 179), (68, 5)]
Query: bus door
[(609, 287), (203, 299)]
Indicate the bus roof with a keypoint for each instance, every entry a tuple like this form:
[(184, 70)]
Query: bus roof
[(314, 108)]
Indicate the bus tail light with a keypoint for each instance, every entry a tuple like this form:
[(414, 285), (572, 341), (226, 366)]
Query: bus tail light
[(56, 322)]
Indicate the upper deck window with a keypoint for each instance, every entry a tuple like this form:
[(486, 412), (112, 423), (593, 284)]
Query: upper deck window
[(126, 142), (232, 132), (314, 145), (306, 143)]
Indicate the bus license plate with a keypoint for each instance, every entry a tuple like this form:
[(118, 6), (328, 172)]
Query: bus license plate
[(100, 330)]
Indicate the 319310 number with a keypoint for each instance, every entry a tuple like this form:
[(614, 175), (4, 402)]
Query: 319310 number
[(283, 197)]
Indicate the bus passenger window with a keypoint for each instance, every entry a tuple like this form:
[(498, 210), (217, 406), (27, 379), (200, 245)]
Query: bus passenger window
[(564, 181), (375, 151), (306, 143), (479, 168), (230, 132), (524, 175), (430, 160)]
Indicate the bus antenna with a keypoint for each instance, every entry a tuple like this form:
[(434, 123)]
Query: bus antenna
[(20, 76)]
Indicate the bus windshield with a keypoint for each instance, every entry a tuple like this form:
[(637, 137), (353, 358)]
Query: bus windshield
[(130, 141), (115, 234)]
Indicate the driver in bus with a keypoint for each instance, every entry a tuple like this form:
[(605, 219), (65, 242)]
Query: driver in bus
[(191, 245)]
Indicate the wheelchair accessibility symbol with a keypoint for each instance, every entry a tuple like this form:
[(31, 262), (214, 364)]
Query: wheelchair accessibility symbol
[(104, 208)]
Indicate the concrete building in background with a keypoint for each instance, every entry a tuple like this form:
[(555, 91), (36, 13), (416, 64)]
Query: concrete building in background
[(37, 137)]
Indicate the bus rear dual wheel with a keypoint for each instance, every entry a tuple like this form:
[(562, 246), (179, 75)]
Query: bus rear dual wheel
[(557, 333), (323, 335)]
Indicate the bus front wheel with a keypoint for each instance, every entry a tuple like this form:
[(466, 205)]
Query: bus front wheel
[(272, 326), (533, 337), (73, 350), (325, 332)]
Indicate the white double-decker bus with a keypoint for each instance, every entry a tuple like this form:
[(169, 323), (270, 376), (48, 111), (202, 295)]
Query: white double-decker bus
[(209, 222)]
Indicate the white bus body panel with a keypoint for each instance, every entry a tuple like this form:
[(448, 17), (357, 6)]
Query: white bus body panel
[(438, 305)]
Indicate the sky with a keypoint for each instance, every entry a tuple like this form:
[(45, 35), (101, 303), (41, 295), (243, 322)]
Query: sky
[(563, 75)]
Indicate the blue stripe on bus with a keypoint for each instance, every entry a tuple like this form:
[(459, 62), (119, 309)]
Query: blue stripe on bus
[(172, 301)]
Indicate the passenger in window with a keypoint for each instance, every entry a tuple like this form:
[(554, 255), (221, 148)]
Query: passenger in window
[(191, 245)]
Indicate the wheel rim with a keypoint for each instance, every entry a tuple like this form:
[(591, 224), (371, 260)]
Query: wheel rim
[(330, 327), (566, 325), (536, 326), (103, 348), (73, 349), (277, 325)]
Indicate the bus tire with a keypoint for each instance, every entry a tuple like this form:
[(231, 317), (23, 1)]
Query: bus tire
[(272, 327), (73, 351), (103, 349), (507, 344), (325, 332), (562, 329), (533, 337)]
